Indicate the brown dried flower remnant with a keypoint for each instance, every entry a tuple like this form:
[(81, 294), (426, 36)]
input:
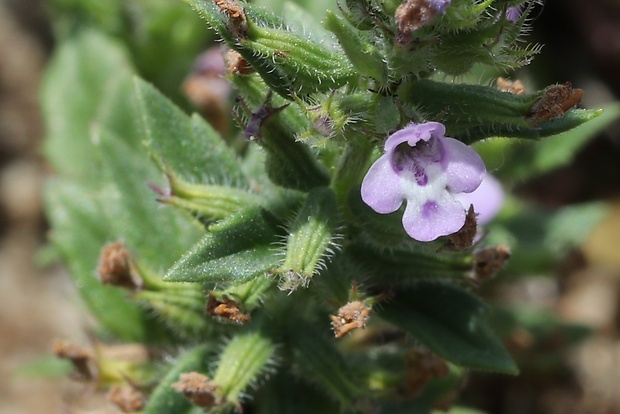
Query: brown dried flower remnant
[(238, 26), (127, 398), (226, 309), (198, 389), (116, 267), (83, 360), (555, 101), (513, 87), (351, 316), (422, 366), (237, 65), (487, 262), (413, 14), (464, 238)]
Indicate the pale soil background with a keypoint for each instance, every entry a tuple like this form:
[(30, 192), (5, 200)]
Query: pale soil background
[(36, 305)]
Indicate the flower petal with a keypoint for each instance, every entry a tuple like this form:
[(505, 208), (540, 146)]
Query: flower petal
[(434, 219), (463, 166), (381, 187), (413, 133), (487, 199)]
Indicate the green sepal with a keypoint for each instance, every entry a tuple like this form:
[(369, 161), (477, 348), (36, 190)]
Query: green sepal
[(290, 63), (571, 119), (384, 229), (352, 165), (249, 294), (311, 235), (164, 399), (462, 107), (363, 54), (449, 321), (460, 49), (240, 365), (208, 201), (290, 163), (235, 250), (253, 89), (474, 112), (409, 261), (357, 14), (182, 310)]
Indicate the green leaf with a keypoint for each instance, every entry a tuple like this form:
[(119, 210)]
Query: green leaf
[(323, 363), (79, 232), (474, 112), (450, 322), (570, 227), (286, 393), (96, 70), (94, 142), (190, 146), (520, 160), (159, 236), (236, 249)]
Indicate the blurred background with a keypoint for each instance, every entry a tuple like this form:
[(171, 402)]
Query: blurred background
[(565, 369)]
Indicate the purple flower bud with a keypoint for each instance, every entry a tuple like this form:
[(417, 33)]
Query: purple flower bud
[(440, 5), (513, 14), (427, 170)]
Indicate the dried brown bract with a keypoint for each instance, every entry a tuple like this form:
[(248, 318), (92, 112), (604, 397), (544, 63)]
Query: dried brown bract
[(464, 238), (351, 316), (116, 267), (236, 15), (198, 389), (226, 309), (82, 359), (488, 262), (512, 87), (555, 101), (126, 397), (422, 366)]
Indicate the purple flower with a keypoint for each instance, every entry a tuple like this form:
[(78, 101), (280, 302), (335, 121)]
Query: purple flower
[(427, 169)]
